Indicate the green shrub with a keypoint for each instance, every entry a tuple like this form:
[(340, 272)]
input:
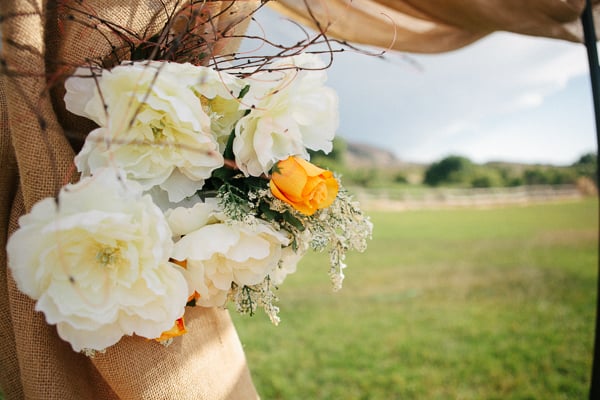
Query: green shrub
[(587, 166), (449, 170)]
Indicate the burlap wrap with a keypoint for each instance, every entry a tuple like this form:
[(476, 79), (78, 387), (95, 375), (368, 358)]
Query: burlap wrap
[(36, 160)]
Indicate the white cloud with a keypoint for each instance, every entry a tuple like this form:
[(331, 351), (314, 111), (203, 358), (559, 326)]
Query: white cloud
[(506, 96), (531, 99), (455, 104)]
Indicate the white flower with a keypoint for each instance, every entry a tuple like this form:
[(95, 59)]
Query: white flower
[(291, 111), (287, 265), (80, 91), (290, 258), (216, 253), (96, 261), (219, 92), (153, 123)]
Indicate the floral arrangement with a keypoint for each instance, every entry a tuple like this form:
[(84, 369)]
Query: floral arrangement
[(195, 190)]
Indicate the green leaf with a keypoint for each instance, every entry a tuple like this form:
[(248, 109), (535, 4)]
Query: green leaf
[(275, 169), (256, 183), (223, 174), (228, 153), (244, 91), (271, 215), (292, 220)]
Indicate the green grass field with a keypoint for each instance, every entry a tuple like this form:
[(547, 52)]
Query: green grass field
[(449, 304)]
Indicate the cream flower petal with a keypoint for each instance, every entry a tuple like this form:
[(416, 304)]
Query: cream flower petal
[(219, 254), (289, 111), (153, 124), (183, 220), (178, 186), (81, 88), (97, 262)]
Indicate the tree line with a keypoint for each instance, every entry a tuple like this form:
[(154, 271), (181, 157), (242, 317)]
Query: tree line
[(460, 171), (455, 171)]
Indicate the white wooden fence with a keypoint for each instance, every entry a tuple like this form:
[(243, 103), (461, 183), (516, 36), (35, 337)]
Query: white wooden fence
[(383, 199)]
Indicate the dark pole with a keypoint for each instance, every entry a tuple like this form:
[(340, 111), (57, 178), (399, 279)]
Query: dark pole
[(587, 19)]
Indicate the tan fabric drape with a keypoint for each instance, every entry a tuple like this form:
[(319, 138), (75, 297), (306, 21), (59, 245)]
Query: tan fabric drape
[(39, 49), (431, 26)]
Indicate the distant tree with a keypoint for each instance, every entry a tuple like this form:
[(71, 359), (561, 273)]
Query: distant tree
[(365, 177), (587, 166), (549, 175), (588, 158), (535, 176), (509, 176), (562, 176), (400, 177), (514, 181), (449, 170), (485, 177)]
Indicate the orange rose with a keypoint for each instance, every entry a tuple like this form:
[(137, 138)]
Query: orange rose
[(303, 185)]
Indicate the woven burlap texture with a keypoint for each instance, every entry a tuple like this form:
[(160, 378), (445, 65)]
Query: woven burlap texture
[(432, 26), (36, 160)]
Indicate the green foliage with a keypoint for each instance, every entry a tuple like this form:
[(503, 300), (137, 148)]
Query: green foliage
[(453, 171), (334, 159), (487, 177), (452, 304), (549, 176), (535, 176), (459, 171), (400, 177), (449, 170), (587, 165), (509, 177), (364, 177)]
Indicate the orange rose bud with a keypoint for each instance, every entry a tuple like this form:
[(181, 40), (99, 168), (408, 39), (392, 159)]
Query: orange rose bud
[(303, 185), (178, 329)]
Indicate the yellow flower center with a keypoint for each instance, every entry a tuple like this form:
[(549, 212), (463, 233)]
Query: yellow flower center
[(108, 256), (157, 132)]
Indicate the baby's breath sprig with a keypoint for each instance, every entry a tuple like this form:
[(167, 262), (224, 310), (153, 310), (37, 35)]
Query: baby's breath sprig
[(248, 298), (235, 202), (340, 228)]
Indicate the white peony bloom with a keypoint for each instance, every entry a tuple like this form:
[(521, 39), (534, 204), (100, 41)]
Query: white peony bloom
[(290, 111), (154, 123), (219, 92), (216, 253), (287, 265), (81, 90), (290, 258), (97, 262)]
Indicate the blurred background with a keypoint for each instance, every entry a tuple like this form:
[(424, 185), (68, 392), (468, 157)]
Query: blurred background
[(477, 167)]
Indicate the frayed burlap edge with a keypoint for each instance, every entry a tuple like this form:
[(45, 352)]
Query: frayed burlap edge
[(37, 159)]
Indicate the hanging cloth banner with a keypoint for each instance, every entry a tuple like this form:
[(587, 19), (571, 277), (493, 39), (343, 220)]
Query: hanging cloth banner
[(432, 26)]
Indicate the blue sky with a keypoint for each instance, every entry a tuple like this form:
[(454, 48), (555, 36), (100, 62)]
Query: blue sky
[(506, 97)]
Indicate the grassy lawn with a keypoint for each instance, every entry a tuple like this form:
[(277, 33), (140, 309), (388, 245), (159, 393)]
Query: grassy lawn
[(450, 304)]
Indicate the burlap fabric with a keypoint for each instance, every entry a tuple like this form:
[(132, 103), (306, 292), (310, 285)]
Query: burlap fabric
[(431, 26), (39, 49)]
